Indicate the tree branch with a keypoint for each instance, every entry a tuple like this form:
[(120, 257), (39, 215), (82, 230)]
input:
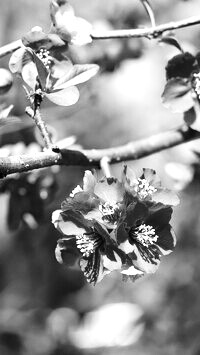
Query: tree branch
[(9, 48), (93, 157), (148, 32)]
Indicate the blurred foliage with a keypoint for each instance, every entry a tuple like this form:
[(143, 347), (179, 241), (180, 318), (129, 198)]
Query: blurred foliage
[(43, 306)]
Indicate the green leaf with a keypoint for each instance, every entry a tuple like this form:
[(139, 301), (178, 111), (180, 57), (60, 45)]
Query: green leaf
[(65, 97), (29, 74), (16, 60), (171, 41), (42, 70), (76, 75), (177, 95)]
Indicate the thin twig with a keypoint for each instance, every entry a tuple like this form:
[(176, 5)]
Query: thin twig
[(9, 48), (148, 32), (149, 11), (105, 166), (41, 126), (91, 158)]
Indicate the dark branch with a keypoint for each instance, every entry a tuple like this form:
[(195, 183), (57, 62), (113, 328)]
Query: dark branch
[(92, 158)]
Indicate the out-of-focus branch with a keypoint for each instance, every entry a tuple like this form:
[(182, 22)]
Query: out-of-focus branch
[(93, 157), (148, 32), (9, 48)]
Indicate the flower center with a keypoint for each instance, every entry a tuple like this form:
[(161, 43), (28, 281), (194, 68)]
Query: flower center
[(145, 235), (44, 56), (110, 212), (196, 84), (144, 189), (87, 243)]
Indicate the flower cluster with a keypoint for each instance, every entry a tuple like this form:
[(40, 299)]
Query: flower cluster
[(47, 71), (116, 225)]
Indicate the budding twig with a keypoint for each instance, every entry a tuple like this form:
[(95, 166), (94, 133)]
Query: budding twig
[(41, 126)]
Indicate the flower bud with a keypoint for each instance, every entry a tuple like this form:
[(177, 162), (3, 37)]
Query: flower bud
[(6, 81)]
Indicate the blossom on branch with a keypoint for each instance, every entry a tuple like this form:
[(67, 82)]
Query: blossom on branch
[(100, 200), (89, 242), (116, 225), (71, 29), (144, 234), (46, 75), (146, 187)]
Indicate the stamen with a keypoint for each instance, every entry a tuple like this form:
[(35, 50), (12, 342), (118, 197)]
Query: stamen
[(196, 84), (110, 212), (144, 189), (145, 235), (44, 55), (88, 243)]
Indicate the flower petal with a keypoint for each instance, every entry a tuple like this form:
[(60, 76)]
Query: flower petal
[(81, 34), (109, 190), (68, 222), (148, 258), (89, 181), (166, 240), (151, 176), (112, 264), (65, 97), (177, 95), (66, 251), (132, 271), (121, 234), (35, 38), (166, 197), (93, 269), (136, 214), (159, 218), (70, 28), (82, 202)]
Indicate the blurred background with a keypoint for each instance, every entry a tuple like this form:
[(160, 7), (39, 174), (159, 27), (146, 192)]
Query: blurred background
[(46, 309)]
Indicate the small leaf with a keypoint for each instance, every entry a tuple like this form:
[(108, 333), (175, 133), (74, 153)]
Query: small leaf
[(177, 95), (78, 74), (16, 60), (171, 41), (42, 70), (65, 97), (29, 74)]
